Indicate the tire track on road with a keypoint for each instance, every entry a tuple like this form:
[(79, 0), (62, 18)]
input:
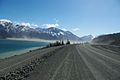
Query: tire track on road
[(93, 70), (57, 70), (104, 62), (104, 54), (87, 73)]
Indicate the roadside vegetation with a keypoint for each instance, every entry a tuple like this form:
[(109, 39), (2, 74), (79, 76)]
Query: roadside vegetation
[(58, 43)]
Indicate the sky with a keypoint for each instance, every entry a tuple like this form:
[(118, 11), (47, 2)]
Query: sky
[(82, 17)]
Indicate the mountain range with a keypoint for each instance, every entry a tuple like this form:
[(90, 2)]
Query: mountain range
[(10, 30)]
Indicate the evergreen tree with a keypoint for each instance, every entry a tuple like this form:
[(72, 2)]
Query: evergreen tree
[(68, 42), (62, 42)]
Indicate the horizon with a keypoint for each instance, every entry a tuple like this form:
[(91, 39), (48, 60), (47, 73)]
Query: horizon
[(81, 17)]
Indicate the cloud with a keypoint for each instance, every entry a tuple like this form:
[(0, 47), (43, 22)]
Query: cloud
[(25, 24), (34, 25), (50, 25), (76, 29)]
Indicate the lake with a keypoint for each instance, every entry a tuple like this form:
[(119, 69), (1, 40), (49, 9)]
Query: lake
[(7, 46)]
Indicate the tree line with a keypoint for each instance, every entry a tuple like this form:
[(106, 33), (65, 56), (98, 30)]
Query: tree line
[(58, 43)]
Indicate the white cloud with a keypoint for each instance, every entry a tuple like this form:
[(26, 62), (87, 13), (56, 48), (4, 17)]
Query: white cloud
[(28, 24), (76, 29), (34, 25), (50, 25), (15, 22), (25, 24)]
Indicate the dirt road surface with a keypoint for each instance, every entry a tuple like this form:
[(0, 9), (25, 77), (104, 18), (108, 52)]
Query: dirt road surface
[(72, 62)]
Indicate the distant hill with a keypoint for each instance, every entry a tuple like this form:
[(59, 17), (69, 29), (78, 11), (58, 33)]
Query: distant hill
[(87, 38), (112, 39)]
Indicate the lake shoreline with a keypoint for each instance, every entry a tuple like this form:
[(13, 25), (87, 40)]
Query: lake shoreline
[(18, 61), (11, 47), (17, 52)]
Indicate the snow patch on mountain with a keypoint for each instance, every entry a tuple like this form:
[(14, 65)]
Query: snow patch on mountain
[(61, 33), (5, 20)]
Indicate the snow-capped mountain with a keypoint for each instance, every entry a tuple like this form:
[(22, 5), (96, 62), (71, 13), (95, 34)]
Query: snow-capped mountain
[(4, 21), (9, 29), (60, 34), (6, 28)]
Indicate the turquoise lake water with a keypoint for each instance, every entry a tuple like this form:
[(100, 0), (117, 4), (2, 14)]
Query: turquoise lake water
[(15, 45)]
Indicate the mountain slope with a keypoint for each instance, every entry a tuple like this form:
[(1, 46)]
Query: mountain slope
[(112, 39), (87, 38), (9, 29)]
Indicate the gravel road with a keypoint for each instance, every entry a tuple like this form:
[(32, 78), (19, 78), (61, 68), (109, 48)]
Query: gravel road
[(71, 62)]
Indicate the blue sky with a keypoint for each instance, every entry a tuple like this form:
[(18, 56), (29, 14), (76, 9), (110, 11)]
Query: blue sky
[(82, 17)]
